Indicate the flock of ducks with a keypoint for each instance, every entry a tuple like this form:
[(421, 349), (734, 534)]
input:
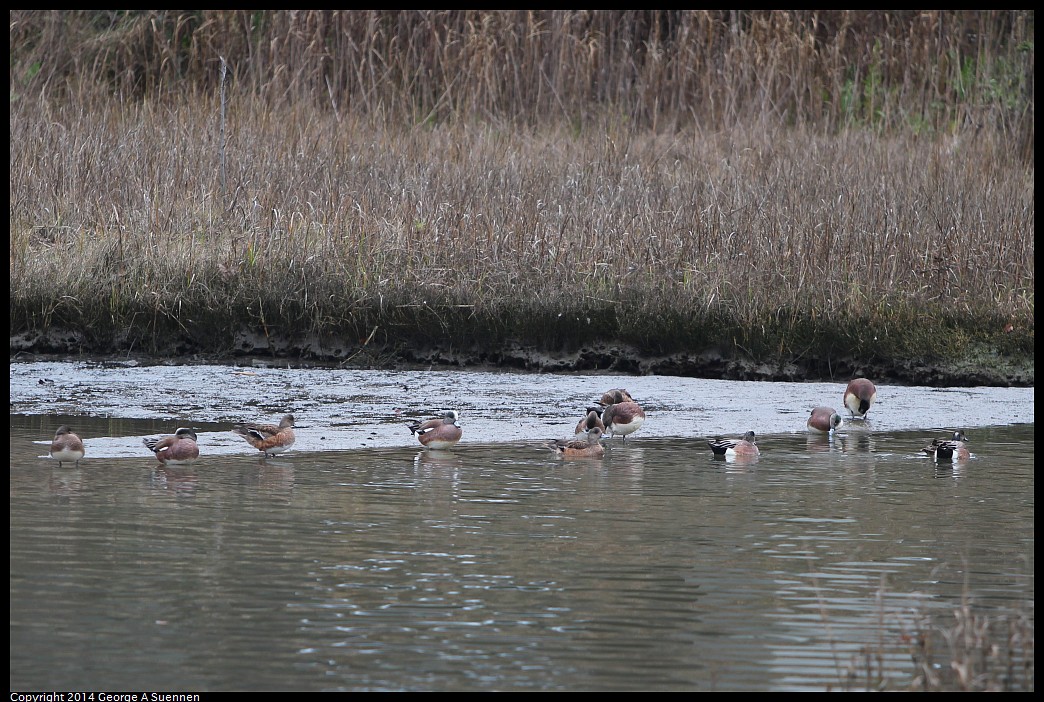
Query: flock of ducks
[(615, 413), (180, 447)]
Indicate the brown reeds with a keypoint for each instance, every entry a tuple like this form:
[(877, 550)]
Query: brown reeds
[(936, 69), (968, 648), (788, 184)]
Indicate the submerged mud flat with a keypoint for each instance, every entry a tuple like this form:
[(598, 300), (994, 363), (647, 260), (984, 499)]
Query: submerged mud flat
[(339, 409)]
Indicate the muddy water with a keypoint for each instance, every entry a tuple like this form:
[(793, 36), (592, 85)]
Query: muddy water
[(359, 561)]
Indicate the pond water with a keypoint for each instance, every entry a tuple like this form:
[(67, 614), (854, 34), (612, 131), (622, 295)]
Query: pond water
[(359, 561)]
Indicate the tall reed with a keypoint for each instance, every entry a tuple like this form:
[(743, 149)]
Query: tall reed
[(790, 183), (938, 70)]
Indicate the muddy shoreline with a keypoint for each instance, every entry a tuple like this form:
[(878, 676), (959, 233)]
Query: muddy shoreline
[(983, 367)]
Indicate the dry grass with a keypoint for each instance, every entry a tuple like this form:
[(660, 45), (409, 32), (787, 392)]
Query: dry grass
[(783, 183), (933, 70), (966, 649)]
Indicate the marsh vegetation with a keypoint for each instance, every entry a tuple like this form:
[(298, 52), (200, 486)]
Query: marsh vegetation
[(820, 190)]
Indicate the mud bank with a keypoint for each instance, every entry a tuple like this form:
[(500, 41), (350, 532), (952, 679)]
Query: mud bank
[(984, 370), (979, 367)]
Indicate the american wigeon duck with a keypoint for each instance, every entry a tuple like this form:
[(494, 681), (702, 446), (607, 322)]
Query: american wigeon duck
[(859, 395), (623, 418), (176, 449), (947, 450), (734, 447), (66, 446), (588, 447), (592, 420), (614, 396), (621, 414), (439, 433), (269, 439), (823, 420)]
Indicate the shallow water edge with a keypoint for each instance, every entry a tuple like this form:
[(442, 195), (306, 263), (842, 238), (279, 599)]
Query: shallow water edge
[(340, 408)]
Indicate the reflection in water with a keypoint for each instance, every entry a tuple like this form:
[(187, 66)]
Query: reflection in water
[(818, 442), (740, 464), (441, 462), (823, 442), (954, 471), (274, 478), (65, 482), (179, 480), (857, 442)]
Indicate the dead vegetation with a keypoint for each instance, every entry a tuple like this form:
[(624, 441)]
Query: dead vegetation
[(777, 184)]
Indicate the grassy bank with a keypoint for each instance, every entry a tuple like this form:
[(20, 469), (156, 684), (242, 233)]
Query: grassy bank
[(834, 191), (968, 649)]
